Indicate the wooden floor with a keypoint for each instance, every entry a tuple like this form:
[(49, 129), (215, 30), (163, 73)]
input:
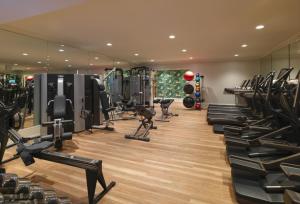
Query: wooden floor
[(183, 163)]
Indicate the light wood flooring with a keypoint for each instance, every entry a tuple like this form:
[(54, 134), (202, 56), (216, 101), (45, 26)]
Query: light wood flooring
[(184, 163)]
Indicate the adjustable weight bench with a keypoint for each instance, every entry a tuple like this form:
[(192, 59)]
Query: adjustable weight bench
[(164, 105), (146, 122)]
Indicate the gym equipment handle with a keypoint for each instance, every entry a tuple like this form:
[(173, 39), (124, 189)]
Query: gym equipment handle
[(65, 136), (52, 122)]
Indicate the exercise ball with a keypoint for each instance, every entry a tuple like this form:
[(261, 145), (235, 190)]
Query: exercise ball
[(198, 106), (188, 89), (188, 102), (197, 87), (197, 78), (188, 76), (197, 94)]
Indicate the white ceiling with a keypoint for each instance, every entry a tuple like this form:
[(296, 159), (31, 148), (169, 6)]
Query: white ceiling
[(211, 30)]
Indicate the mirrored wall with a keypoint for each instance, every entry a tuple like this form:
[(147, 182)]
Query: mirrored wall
[(22, 56), (288, 56), (25, 54)]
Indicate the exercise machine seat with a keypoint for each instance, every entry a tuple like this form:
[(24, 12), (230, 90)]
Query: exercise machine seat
[(166, 101), (59, 106), (156, 100), (37, 147)]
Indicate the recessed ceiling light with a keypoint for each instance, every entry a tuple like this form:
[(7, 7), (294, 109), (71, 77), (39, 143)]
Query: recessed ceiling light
[(183, 50), (62, 45), (244, 45), (236, 55), (191, 58), (25, 54), (109, 44), (61, 50), (96, 58), (39, 62), (136, 54), (91, 64), (15, 64), (66, 60), (152, 60), (118, 62), (69, 65), (172, 36), (259, 27)]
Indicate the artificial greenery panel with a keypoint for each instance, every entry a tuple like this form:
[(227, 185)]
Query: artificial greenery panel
[(170, 83)]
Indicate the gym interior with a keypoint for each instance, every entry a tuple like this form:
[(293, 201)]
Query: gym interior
[(150, 102)]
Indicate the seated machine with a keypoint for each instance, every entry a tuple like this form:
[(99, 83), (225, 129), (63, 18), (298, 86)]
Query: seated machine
[(146, 123), (58, 107), (100, 100), (123, 107)]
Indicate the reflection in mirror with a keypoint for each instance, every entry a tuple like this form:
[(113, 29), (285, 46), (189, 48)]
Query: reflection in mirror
[(65, 59), (295, 57), (22, 56), (280, 59), (19, 53), (266, 64)]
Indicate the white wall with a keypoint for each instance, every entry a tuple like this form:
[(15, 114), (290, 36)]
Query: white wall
[(218, 75)]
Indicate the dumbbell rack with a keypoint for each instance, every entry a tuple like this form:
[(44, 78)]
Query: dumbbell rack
[(21, 191)]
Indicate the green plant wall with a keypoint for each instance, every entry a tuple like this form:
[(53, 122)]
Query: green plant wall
[(170, 83)]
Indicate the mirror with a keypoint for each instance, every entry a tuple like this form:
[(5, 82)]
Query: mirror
[(280, 59), (22, 56), (295, 57), (266, 65)]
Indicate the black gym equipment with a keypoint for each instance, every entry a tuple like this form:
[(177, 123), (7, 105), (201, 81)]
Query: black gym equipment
[(96, 95), (140, 85), (165, 105), (242, 119), (125, 110), (15, 190), (188, 89), (59, 108), (113, 81), (188, 102), (27, 152), (264, 154), (146, 122)]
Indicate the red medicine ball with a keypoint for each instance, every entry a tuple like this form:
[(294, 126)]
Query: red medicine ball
[(188, 76)]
